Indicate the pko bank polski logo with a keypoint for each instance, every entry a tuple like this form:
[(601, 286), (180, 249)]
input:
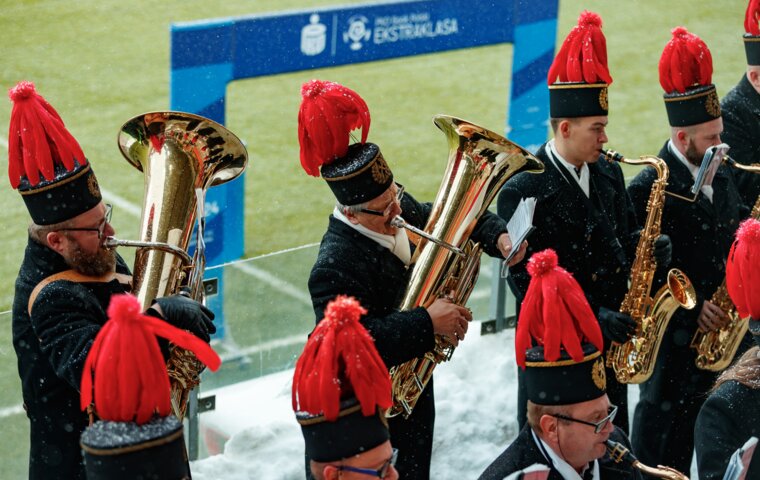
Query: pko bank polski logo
[(357, 32)]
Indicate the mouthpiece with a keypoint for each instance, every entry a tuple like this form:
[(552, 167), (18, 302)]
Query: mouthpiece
[(612, 155), (620, 454)]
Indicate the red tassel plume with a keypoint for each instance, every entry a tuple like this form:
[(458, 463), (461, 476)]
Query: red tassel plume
[(752, 18), (340, 350), (131, 383), (37, 138), (583, 55), (685, 63), (329, 112), (743, 269), (555, 312)]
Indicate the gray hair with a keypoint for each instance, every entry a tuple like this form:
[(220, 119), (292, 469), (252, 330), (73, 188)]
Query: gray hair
[(352, 209), (39, 232)]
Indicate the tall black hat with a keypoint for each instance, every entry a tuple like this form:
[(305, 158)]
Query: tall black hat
[(329, 112), (752, 32), (743, 274), (578, 78), (341, 386), (45, 162), (136, 436), (558, 340), (685, 76)]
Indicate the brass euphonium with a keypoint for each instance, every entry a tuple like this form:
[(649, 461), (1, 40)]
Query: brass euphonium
[(447, 261), (181, 155), (634, 360), (716, 348), (620, 454)]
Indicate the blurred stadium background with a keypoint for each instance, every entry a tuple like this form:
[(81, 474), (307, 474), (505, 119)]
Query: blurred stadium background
[(100, 63)]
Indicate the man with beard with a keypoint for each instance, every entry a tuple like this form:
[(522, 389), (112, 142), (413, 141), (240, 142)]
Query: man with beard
[(701, 231), (65, 282)]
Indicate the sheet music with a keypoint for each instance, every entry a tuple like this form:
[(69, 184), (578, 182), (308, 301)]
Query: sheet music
[(519, 227), (739, 461)]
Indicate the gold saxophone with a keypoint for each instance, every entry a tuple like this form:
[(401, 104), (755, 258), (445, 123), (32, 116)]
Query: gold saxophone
[(180, 155), (634, 360), (716, 348), (447, 261), (620, 454)]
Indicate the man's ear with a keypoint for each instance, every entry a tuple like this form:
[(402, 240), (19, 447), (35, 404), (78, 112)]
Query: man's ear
[(564, 128), (55, 241), (549, 427), (753, 75), (350, 216), (683, 138), (330, 472)]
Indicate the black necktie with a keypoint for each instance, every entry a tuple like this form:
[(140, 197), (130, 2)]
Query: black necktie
[(577, 171), (589, 473)]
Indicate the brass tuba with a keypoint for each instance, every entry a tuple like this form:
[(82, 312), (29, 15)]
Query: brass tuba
[(181, 155), (447, 261), (716, 349), (634, 360)]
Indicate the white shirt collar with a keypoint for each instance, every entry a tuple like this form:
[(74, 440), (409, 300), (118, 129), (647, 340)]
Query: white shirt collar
[(693, 169), (584, 178), (398, 244), (559, 464)]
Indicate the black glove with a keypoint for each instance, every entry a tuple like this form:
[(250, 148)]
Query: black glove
[(663, 251), (187, 314), (616, 326)]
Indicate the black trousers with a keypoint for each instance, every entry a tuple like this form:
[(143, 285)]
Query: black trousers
[(663, 422)]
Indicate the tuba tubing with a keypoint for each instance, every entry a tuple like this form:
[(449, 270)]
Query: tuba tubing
[(179, 154), (480, 161)]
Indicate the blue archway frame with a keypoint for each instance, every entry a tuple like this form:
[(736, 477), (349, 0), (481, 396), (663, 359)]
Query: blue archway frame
[(208, 54)]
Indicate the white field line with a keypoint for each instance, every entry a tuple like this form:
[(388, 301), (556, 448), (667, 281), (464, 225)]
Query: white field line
[(284, 287), (236, 352), (10, 411)]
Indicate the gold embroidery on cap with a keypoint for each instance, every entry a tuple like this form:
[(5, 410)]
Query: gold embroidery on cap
[(598, 375), (381, 173), (603, 99), (92, 186), (712, 104)]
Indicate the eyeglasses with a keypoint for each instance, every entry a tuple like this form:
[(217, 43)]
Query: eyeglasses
[(100, 228), (598, 426), (382, 472), (387, 211)]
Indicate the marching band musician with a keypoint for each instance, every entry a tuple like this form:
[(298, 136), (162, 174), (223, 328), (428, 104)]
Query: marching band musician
[(65, 282), (364, 256), (731, 414), (741, 111), (570, 417), (701, 233), (341, 389), (582, 209)]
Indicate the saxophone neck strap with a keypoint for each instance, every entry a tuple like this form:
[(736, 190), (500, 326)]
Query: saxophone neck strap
[(77, 277)]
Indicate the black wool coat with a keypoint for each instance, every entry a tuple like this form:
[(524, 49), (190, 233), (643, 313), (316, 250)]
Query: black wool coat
[(596, 249), (728, 418), (702, 233), (51, 347), (523, 452), (741, 131), (350, 263)]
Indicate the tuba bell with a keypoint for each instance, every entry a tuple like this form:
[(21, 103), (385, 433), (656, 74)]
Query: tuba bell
[(181, 155), (447, 261)]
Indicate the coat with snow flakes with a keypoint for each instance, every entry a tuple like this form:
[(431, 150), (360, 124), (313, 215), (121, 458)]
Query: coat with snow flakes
[(702, 233), (729, 417), (741, 131), (51, 347), (596, 248), (523, 452), (350, 263)]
